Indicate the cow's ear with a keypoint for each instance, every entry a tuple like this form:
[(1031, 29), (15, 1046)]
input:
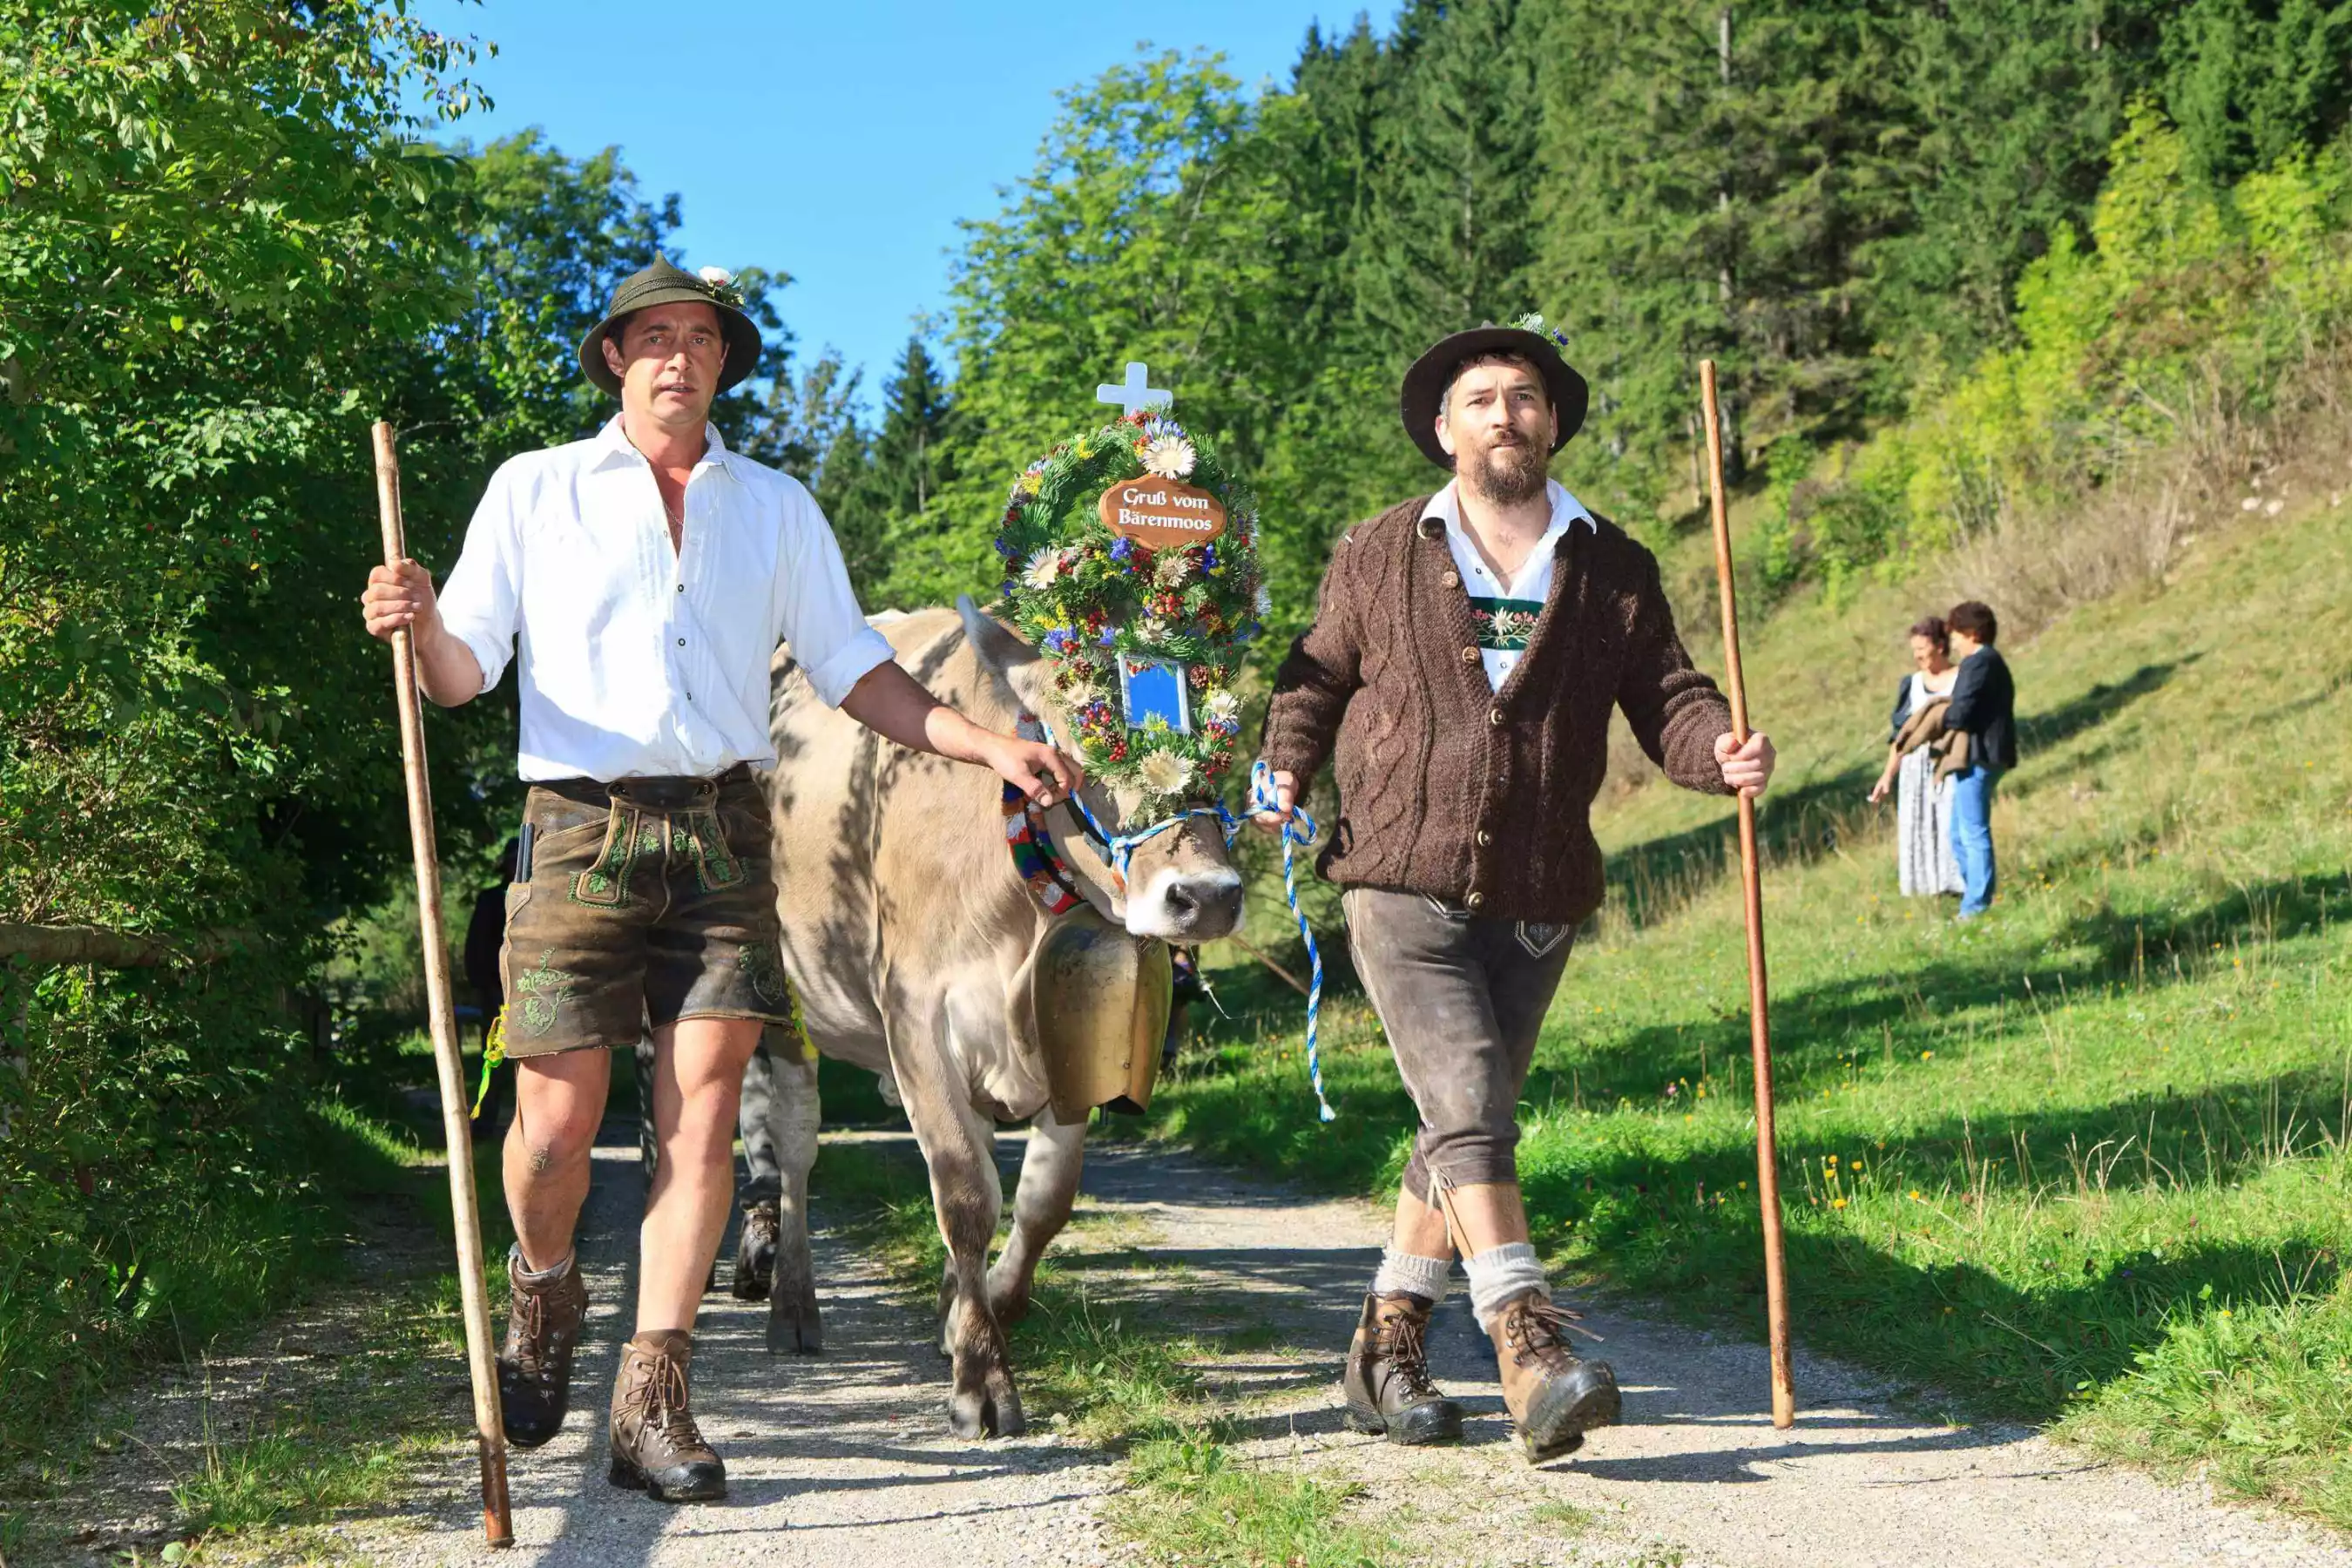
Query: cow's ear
[(1001, 651)]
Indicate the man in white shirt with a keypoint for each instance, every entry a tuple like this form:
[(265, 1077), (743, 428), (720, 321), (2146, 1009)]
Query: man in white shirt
[(649, 574)]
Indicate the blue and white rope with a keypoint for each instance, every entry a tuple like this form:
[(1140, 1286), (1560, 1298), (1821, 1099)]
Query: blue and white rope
[(1297, 832)]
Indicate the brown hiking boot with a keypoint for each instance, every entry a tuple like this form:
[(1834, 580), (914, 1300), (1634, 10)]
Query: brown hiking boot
[(1554, 1398), (657, 1447), (755, 1251), (543, 1324), (1387, 1381)]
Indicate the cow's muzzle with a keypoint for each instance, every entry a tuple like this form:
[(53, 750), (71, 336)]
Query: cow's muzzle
[(1187, 906)]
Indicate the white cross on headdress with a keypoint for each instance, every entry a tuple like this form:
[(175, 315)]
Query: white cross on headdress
[(1133, 394)]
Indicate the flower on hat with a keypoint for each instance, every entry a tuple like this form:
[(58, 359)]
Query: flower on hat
[(1169, 456), (717, 276), (1533, 321)]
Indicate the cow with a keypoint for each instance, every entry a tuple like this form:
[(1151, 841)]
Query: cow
[(910, 936)]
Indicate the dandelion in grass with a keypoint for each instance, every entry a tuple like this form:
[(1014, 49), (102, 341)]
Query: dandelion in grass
[(1837, 1203)]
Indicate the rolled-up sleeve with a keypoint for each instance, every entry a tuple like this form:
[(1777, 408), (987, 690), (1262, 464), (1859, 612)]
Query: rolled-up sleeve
[(480, 602), (818, 610)]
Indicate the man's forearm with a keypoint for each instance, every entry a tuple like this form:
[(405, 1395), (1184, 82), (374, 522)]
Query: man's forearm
[(894, 705), (446, 668)]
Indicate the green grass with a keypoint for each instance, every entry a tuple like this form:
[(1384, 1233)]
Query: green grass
[(331, 1434), (2022, 1157)]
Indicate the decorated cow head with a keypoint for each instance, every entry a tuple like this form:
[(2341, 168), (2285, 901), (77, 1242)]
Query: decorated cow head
[(1131, 580), (1178, 884)]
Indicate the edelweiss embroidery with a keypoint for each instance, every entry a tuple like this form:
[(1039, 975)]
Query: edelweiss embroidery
[(1505, 624)]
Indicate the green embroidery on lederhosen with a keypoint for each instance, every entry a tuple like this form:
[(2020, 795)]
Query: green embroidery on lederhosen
[(543, 993), (606, 884), (1505, 624), (700, 834), (764, 968)]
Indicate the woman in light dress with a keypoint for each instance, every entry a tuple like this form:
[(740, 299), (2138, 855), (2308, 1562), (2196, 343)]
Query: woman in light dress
[(1923, 803)]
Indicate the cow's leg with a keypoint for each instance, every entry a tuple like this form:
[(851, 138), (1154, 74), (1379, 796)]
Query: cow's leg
[(648, 1150), (1041, 1208), (968, 1196), (793, 1321)]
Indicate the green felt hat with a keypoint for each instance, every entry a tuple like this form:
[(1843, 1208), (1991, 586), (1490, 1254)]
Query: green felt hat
[(1529, 338), (663, 284)]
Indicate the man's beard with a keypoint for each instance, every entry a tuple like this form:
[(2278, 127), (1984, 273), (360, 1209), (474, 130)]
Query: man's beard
[(1505, 476)]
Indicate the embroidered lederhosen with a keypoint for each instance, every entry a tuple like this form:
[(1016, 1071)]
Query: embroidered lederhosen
[(640, 902)]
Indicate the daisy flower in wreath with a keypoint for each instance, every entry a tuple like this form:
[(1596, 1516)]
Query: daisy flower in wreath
[(1169, 456), (1165, 773), (1223, 711), (1043, 569)]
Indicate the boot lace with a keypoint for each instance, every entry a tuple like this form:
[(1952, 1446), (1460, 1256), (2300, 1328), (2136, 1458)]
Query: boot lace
[(1408, 1356), (528, 1311), (1538, 1329), (661, 1404)]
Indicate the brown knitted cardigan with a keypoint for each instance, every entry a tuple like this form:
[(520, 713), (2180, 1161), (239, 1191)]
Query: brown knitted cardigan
[(1449, 787)]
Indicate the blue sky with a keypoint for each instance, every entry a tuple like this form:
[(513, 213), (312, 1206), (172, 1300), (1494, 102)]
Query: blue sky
[(838, 141)]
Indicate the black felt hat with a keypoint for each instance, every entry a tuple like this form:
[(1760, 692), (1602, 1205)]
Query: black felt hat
[(663, 284), (1425, 383)]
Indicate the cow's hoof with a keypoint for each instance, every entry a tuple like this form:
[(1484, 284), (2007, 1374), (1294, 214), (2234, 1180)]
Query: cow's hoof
[(994, 1414), (1005, 1402), (794, 1326)]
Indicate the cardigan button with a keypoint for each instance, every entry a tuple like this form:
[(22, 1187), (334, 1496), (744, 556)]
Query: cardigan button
[(1475, 900), (1469, 653), (1485, 839), (1494, 715), (1453, 579)]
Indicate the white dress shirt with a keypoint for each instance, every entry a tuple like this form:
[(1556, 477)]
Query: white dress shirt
[(637, 659), (1530, 585)]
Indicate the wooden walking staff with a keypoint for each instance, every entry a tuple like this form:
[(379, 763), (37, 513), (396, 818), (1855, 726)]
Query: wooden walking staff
[(497, 1517), (1759, 1026)]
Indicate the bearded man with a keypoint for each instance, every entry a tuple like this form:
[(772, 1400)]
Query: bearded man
[(1466, 650), (649, 574)]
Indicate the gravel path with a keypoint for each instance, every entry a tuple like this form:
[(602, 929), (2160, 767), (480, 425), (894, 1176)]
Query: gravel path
[(844, 1459)]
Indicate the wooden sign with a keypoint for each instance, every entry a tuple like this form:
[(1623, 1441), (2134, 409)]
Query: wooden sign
[(1162, 513)]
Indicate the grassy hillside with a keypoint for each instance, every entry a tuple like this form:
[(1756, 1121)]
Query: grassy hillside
[(2063, 1162)]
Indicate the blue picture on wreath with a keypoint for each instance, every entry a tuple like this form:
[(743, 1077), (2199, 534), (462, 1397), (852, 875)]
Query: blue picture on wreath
[(1155, 689)]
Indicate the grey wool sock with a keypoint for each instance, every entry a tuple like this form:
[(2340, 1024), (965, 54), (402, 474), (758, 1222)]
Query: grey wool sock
[(524, 1274), (1500, 1273), (1423, 1277)]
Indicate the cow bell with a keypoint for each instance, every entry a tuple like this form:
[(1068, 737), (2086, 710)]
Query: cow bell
[(1100, 996)]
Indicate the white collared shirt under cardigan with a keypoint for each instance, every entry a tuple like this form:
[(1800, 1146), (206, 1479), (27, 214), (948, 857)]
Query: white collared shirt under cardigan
[(637, 660), (1533, 580)]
